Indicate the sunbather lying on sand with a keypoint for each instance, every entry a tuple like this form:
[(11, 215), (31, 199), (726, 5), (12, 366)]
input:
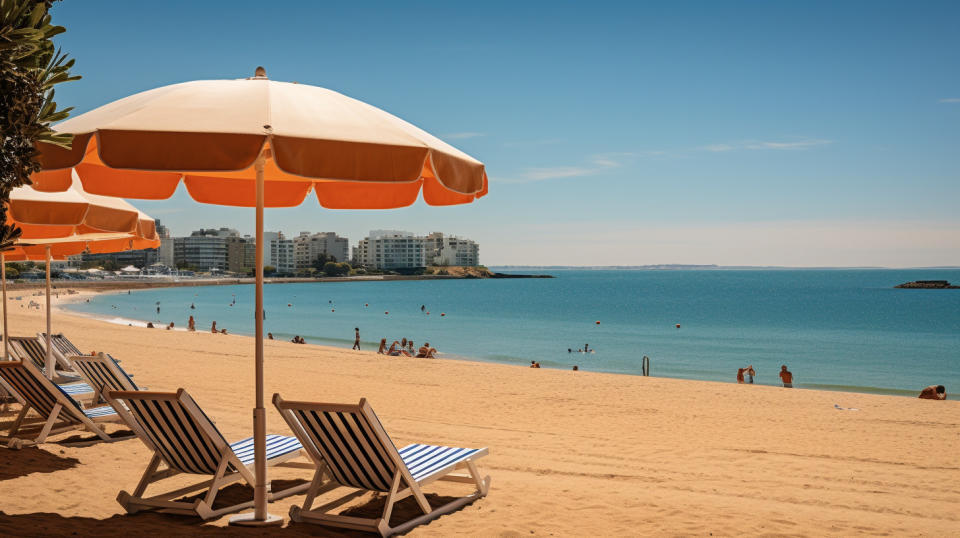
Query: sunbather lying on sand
[(426, 352), (395, 350)]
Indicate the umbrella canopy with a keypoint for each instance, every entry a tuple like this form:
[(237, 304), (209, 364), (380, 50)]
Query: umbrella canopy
[(61, 224), (42, 214), (259, 143), (209, 133)]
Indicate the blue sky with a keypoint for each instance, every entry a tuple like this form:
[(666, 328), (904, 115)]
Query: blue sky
[(736, 133)]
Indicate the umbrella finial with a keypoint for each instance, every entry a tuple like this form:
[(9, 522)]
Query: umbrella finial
[(260, 72)]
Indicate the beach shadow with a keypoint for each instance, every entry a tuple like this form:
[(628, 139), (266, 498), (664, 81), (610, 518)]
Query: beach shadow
[(17, 463), (85, 438), (157, 524)]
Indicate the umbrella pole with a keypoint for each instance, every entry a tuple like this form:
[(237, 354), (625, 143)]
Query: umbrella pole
[(3, 277), (51, 368), (259, 517)]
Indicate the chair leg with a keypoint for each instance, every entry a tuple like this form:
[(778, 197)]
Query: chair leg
[(19, 420), (54, 414), (388, 506)]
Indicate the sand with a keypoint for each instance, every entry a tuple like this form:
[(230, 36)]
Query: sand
[(571, 453)]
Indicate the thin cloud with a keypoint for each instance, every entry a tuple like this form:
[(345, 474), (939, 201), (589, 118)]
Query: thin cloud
[(763, 144), (718, 147), (951, 100), (465, 134), (598, 163), (802, 144)]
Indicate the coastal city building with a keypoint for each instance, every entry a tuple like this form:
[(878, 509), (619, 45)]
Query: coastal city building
[(203, 250), (390, 249), (308, 247), (225, 250), (450, 250)]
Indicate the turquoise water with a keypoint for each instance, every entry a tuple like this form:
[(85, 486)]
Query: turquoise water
[(835, 329)]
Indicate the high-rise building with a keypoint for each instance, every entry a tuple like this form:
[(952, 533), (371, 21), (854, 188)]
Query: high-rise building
[(203, 250), (391, 250), (307, 247), (282, 254), (241, 253), (451, 250)]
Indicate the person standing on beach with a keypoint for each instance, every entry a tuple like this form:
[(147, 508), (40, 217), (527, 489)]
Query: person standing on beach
[(786, 376), (934, 392), (191, 324), (750, 373), (356, 338), (740, 372), (213, 328)]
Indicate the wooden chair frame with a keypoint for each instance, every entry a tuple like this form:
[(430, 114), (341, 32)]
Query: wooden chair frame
[(65, 407), (403, 484), (202, 507)]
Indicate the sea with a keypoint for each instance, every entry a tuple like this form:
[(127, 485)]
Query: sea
[(837, 329)]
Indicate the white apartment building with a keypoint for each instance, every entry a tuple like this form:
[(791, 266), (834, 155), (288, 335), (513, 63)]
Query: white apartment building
[(282, 253), (451, 250), (390, 249), (307, 247)]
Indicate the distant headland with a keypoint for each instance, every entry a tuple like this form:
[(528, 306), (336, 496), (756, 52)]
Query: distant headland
[(928, 285)]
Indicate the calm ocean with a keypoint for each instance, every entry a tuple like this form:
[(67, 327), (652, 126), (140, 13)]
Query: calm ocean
[(835, 329)]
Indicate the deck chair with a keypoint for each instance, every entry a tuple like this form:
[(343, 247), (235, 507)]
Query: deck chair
[(186, 441), (29, 349), (51, 402), (62, 349), (350, 448), (103, 374)]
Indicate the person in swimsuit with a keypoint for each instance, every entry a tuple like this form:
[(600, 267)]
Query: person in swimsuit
[(356, 339), (750, 373), (426, 352), (786, 376), (934, 392), (383, 346), (740, 372)]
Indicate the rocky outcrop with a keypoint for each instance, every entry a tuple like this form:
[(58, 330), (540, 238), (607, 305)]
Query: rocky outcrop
[(928, 285)]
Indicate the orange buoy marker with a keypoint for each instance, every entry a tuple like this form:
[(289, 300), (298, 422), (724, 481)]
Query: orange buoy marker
[(288, 304), (443, 314), (678, 325), (332, 310), (386, 312), (598, 323), (366, 304)]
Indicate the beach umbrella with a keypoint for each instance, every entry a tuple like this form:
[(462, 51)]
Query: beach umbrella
[(59, 224), (259, 143)]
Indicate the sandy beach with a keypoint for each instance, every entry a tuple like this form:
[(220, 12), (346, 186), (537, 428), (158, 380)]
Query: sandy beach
[(571, 453)]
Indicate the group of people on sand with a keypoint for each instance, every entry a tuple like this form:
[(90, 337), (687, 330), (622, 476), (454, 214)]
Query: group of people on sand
[(297, 339), (746, 375), (406, 348)]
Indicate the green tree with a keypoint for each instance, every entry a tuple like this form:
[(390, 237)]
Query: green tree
[(30, 66), (336, 269), (322, 260)]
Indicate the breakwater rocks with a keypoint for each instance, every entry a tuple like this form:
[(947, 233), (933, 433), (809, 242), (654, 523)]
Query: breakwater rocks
[(928, 285)]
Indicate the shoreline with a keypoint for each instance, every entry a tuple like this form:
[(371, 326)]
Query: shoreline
[(571, 453), (123, 322)]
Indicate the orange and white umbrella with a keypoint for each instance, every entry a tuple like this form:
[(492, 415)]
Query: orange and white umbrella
[(61, 224), (259, 143)]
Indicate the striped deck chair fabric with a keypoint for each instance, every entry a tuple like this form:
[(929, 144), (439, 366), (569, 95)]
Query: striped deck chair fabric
[(104, 374), (29, 348), (62, 349), (350, 448), (185, 440), (52, 403)]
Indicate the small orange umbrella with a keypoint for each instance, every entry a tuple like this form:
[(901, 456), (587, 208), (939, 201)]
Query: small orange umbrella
[(56, 225), (259, 143)]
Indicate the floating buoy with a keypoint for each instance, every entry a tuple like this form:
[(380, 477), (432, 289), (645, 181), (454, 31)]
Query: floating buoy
[(442, 314), (428, 313), (598, 323), (678, 325), (366, 304), (386, 312), (288, 304), (333, 310)]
